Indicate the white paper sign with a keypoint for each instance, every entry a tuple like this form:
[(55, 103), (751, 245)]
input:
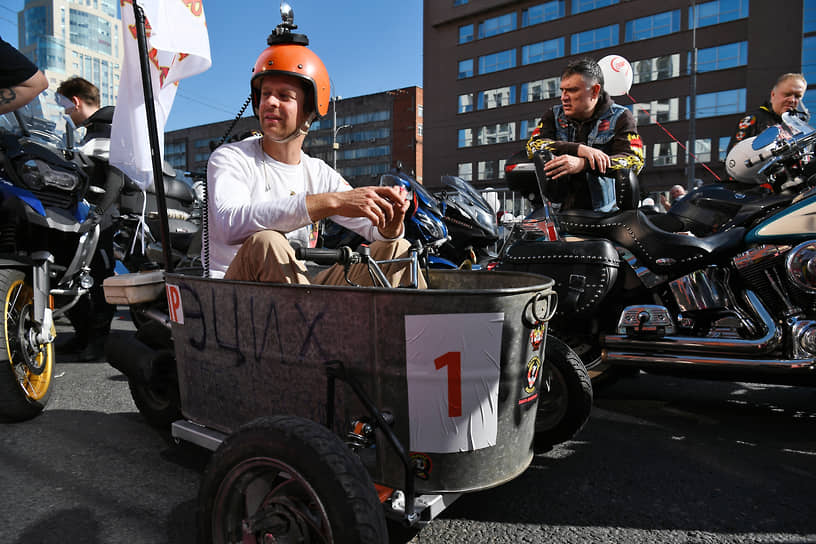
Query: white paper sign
[(453, 369)]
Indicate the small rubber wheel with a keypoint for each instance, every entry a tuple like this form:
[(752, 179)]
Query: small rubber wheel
[(288, 479)]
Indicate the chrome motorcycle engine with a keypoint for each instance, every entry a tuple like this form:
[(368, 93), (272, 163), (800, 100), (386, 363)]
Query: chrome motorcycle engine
[(800, 265)]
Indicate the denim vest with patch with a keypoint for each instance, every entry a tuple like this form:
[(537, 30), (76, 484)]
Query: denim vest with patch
[(601, 188)]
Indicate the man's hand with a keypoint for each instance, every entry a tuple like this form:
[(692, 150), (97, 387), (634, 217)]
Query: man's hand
[(385, 207), (564, 165), (597, 159)]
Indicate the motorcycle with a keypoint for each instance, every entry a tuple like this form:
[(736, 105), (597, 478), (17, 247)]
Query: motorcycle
[(454, 226), (48, 234), (760, 183), (736, 304)]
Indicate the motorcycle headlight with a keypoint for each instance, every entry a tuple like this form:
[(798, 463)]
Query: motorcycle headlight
[(800, 265), (39, 174)]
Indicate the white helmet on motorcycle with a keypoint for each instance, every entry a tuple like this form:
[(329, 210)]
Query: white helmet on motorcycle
[(749, 155)]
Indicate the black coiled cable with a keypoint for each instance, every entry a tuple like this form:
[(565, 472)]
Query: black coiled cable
[(205, 210)]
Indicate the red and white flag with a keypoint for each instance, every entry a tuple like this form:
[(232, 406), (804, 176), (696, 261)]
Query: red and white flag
[(178, 47)]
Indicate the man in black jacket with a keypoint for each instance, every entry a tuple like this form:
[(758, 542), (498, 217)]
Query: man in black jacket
[(785, 96), (590, 136), (91, 316)]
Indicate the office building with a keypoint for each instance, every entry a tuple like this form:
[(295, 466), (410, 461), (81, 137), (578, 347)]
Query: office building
[(492, 67), (363, 137), (67, 38)]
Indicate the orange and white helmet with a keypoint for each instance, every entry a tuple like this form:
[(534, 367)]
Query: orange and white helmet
[(289, 55)]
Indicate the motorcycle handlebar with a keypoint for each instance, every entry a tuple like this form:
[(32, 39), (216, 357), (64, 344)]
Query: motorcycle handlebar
[(343, 255)]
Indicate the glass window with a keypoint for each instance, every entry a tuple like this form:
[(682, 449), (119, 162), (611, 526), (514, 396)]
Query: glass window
[(497, 25), (656, 111), (718, 11), (465, 68), (465, 137), (466, 33), (465, 171), (460, 2), (809, 16), (465, 103), (527, 127), (664, 154), (420, 111), (91, 31), (364, 152), (497, 134), (719, 103), (542, 89), (35, 24), (809, 101), (656, 68), (542, 13), (809, 58), (721, 57), (722, 145), (597, 38), (541, 51), (503, 60), (579, 6), (652, 26), (489, 170), (702, 150), (496, 98)]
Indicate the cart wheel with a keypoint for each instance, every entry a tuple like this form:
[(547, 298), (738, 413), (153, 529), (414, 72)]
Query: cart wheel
[(158, 400), (26, 367), (566, 396), (288, 479)]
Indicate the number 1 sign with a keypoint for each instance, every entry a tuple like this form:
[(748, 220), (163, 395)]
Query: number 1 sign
[(453, 368)]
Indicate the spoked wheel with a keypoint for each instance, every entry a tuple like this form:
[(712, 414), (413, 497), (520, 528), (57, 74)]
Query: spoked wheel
[(26, 367), (566, 396), (288, 479)]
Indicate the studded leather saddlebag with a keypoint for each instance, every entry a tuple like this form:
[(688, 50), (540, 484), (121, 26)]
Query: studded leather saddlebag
[(584, 271)]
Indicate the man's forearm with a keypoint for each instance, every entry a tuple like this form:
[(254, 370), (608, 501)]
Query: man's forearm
[(17, 96)]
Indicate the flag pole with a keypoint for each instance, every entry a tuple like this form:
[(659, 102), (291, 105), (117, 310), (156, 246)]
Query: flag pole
[(153, 133)]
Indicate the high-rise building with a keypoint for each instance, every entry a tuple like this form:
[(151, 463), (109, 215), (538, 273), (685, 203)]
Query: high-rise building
[(492, 67), (363, 137), (66, 38)]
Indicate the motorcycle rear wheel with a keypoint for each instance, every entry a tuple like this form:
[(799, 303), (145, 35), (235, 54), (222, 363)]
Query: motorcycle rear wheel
[(566, 398), (26, 369)]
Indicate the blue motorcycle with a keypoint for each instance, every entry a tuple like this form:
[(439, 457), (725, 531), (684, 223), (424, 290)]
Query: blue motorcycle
[(48, 234)]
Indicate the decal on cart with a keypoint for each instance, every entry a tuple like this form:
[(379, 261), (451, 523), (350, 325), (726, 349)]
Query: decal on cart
[(422, 465), (531, 381), (174, 304), (452, 369), (537, 335)]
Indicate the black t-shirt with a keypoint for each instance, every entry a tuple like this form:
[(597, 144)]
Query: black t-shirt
[(14, 66)]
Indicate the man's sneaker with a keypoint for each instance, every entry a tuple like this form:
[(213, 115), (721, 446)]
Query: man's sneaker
[(94, 351)]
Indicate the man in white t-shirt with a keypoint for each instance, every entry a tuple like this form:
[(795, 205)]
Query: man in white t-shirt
[(265, 191)]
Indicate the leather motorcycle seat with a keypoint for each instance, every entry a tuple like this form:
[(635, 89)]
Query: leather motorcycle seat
[(661, 251)]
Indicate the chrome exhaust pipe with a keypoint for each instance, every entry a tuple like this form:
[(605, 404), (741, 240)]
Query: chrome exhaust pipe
[(617, 344), (724, 363)]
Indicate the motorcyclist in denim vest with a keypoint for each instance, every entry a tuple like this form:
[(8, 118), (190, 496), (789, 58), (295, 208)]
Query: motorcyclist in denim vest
[(590, 137)]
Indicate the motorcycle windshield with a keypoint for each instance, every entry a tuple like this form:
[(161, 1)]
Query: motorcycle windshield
[(43, 120), (798, 127), (461, 194)]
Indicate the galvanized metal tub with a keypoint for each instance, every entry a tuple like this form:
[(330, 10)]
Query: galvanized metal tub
[(455, 365)]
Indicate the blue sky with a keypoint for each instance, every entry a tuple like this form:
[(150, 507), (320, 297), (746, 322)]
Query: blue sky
[(368, 46)]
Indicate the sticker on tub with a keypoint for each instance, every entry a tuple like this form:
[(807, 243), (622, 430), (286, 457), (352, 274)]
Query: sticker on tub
[(453, 369)]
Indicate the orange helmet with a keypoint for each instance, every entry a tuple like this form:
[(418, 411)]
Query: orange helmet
[(296, 60)]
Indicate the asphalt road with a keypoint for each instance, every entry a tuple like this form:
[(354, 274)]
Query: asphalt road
[(661, 460)]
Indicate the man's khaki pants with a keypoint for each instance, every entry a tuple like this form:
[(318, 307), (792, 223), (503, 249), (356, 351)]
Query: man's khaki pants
[(267, 256)]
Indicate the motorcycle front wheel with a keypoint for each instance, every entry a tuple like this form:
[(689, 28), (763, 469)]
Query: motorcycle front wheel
[(26, 368)]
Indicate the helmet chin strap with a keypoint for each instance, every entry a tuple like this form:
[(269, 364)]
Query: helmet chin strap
[(303, 130)]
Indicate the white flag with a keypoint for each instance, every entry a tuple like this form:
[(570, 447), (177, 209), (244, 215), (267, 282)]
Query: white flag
[(178, 47)]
